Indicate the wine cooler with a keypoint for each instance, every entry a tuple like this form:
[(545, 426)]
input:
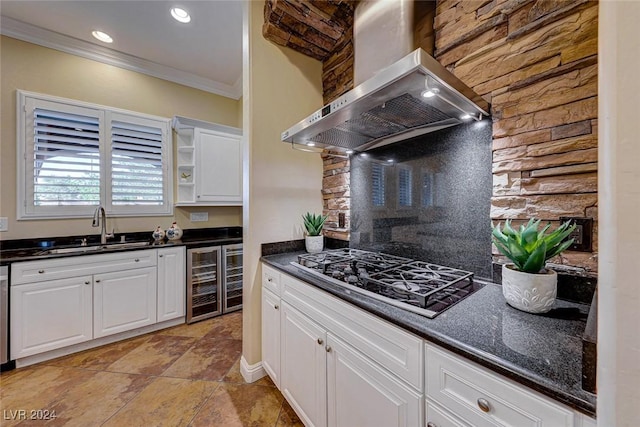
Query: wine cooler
[(214, 281)]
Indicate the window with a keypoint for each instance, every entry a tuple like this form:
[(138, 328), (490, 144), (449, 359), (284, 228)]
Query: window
[(405, 187), (76, 156), (377, 184)]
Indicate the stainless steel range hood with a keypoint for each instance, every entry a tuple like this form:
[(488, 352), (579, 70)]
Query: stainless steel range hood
[(390, 107)]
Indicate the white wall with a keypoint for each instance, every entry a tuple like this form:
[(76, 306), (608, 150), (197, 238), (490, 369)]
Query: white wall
[(619, 204), (280, 88)]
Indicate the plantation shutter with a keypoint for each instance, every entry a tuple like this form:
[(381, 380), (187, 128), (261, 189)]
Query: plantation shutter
[(377, 184), (66, 159), (404, 187), (137, 164)]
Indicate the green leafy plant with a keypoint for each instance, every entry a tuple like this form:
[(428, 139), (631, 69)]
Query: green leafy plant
[(528, 248), (313, 223)]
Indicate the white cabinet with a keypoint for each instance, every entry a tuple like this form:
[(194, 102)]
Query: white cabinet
[(327, 381), (361, 393), (171, 283), (482, 398), (209, 163), (50, 315), (124, 300), (303, 366), (61, 302), (271, 335)]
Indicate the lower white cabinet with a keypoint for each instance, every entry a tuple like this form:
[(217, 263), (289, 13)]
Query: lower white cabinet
[(325, 380), (50, 315), (304, 366), (171, 283), (271, 335), (361, 393), (123, 300), (125, 291)]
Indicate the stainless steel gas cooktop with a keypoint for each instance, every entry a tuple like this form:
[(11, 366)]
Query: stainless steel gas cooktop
[(418, 286)]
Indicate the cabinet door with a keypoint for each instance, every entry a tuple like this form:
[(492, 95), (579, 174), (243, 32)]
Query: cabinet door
[(361, 393), (219, 168), (271, 335), (303, 366), (124, 300), (50, 315), (171, 283)]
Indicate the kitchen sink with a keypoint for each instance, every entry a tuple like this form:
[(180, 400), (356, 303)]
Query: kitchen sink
[(83, 249)]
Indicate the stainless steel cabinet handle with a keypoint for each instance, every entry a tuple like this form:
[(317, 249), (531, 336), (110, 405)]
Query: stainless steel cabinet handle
[(430, 424), (276, 306), (97, 280), (320, 341), (137, 260), (328, 348), (40, 271), (484, 405)]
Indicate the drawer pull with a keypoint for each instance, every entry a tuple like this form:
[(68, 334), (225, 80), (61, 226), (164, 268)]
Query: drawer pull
[(269, 279), (320, 341), (97, 280), (87, 282), (328, 348), (137, 260), (484, 405), (276, 306), (160, 256), (40, 271), (430, 424)]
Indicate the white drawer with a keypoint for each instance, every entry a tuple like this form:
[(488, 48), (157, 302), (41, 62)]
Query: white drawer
[(59, 268), (393, 348), (463, 388), (271, 279)]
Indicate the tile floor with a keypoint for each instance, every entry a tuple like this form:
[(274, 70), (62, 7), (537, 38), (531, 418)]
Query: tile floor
[(188, 375)]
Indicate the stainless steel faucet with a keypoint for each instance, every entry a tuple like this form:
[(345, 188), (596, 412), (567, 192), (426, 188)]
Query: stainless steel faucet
[(96, 223)]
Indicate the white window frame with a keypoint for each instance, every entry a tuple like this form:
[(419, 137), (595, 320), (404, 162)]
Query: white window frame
[(26, 208), (409, 170)]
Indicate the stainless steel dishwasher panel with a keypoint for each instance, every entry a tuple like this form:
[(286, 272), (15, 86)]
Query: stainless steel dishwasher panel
[(4, 314)]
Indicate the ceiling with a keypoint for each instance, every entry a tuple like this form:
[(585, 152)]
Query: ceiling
[(205, 53)]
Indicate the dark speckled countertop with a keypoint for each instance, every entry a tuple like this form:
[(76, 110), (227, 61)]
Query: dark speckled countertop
[(543, 352), (34, 249)]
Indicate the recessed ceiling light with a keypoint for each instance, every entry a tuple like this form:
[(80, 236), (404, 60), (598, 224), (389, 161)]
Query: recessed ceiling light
[(180, 15), (102, 36)]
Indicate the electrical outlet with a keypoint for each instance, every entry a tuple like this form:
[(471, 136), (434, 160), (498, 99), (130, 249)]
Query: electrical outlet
[(4, 223), (583, 234), (199, 216)]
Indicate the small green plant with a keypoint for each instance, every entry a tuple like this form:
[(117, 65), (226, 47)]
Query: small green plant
[(313, 223), (528, 248)]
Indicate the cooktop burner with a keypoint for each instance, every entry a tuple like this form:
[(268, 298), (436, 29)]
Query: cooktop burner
[(418, 286)]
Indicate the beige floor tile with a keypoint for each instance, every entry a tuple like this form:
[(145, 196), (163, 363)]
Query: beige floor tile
[(36, 388), (234, 376), (228, 326), (166, 402), (288, 417), (94, 401), (208, 359), (194, 330), (100, 358), (154, 356), (240, 405)]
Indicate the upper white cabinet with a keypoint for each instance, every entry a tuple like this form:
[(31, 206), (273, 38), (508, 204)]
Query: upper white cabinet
[(209, 163)]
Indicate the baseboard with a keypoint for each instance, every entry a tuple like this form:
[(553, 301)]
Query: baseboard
[(251, 373)]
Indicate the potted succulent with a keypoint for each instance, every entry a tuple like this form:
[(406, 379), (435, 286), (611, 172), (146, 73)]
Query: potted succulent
[(526, 284), (314, 240)]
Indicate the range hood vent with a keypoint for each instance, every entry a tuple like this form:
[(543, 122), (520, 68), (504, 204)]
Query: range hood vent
[(390, 107)]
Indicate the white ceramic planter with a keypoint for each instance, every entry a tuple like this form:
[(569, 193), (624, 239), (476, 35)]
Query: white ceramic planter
[(314, 244), (533, 293)]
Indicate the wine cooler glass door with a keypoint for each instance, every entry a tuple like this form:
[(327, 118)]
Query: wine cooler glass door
[(204, 284), (232, 256)]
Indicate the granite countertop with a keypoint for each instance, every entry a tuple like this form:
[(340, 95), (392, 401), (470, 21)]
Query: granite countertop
[(543, 352), (35, 249)]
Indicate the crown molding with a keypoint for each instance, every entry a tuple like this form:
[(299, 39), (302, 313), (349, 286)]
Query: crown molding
[(29, 33)]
